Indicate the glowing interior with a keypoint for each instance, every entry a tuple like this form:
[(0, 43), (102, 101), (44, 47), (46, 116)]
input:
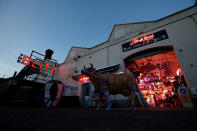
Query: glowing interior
[(157, 74)]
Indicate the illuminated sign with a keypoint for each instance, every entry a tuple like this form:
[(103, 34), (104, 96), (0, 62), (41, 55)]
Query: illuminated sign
[(146, 40), (143, 39), (83, 78), (28, 61), (151, 79)]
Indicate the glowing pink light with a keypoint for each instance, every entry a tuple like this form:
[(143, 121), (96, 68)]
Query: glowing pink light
[(146, 38)]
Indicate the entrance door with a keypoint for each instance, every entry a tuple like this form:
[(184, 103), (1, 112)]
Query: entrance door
[(160, 76), (86, 94)]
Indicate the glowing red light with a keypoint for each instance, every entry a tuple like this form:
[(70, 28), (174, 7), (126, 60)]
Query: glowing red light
[(33, 65), (83, 78), (53, 71), (146, 38), (46, 66), (26, 60), (40, 65)]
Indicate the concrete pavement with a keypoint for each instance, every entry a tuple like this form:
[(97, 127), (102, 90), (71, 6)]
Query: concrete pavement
[(63, 119)]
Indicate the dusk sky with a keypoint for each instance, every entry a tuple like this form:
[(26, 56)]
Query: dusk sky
[(27, 25)]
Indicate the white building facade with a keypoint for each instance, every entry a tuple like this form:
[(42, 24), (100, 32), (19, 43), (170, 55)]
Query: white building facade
[(160, 43)]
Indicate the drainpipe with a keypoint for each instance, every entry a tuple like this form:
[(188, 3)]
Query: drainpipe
[(107, 56)]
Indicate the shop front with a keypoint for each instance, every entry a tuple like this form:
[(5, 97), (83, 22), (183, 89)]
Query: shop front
[(162, 51), (160, 75)]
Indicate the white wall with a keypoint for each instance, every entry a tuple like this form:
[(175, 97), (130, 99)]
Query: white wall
[(66, 69), (183, 37), (114, 53), (98, 59), (182, 32)]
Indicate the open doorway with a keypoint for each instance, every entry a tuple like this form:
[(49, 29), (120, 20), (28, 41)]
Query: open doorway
[(86, 94), (160, 76)]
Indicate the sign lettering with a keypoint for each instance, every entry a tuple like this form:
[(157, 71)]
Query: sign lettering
[(26, 60), (146, 40)]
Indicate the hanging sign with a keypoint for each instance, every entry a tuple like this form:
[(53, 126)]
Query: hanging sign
[(28, 61), (146, 40)]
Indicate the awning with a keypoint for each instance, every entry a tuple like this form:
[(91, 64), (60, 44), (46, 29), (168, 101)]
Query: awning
[(103, 70), (109, 68)]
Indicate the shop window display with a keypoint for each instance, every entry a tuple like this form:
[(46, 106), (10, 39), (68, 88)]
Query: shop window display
[(159, 79)]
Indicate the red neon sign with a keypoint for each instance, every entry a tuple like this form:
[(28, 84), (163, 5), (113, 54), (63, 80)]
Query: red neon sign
[(146, 38), (27, 61), (83, 78)]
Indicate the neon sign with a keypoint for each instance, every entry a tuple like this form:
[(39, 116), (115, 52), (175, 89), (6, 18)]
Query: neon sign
[(146, 40), (83, 78), (26, 60), (151, 79), (143, 39)]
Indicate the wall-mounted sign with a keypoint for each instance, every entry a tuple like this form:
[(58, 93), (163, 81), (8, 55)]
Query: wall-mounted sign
[(142, 41), (83, 78), (28, 61)]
